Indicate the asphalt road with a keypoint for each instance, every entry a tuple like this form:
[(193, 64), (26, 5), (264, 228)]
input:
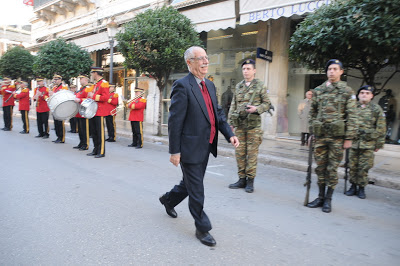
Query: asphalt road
[(61, 207)]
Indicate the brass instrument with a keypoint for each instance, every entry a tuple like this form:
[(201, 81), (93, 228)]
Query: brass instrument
[(126, 103)]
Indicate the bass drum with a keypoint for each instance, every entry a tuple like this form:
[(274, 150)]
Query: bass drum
[(62, 105), (88, 108), (1, 101)]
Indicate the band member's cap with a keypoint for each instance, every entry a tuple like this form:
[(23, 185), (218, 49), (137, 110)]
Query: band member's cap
[(111, 84), (83, 76), (39, 79), (333, 61), (72, 86), (97, 69), (138, 89), (365, 88), (249, 61), (57, 76), (6, 78)]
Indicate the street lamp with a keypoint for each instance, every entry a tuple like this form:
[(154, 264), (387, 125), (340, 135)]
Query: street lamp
[(112, 28)]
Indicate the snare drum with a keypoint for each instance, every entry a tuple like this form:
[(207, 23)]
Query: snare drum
[(62, 105), (88, 108)]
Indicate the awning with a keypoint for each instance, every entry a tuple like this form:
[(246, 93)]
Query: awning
[(255, 10), (213, 17), (95, 42)]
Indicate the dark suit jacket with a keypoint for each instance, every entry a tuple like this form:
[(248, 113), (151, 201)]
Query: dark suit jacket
[(189, 124)]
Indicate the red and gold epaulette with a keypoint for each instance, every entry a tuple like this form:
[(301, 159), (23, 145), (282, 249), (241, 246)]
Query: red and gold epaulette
[(104, 84), (143, 100), (115, 95), (25, 90), (89, 88)]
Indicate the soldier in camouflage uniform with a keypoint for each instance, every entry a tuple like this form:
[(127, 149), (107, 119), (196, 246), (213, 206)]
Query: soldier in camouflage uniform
[(333, 123), (249, 101), (370, 138)]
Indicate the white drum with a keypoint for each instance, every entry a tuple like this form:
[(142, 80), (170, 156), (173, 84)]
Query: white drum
[(62, 105), (88, 108), (1, 101)]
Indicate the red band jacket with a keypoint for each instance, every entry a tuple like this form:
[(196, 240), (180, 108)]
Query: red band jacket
[(23, 98), (101, 96), (137, 108), (41, 103), (112, 102), (82, 94), (7, 91)]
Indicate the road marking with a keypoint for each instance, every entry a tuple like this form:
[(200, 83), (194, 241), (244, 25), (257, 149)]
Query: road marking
[(210, 166), (214, 173)]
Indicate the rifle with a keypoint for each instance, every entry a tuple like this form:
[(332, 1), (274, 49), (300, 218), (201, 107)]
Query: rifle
[(346, 170), (309, 171)]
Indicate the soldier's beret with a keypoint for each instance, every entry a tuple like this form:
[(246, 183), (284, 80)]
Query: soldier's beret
[(57, 76), (249, 61), (97, 69), (333, 61), (365, 88)]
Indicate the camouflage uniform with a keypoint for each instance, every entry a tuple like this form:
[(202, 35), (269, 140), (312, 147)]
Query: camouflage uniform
[(371, 136), (248, 126), (328, 147)]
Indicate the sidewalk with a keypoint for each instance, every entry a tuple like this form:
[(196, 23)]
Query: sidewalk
[(283, 152)]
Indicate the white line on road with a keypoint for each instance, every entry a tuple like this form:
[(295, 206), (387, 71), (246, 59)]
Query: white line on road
[(214, 173), (210, 166)]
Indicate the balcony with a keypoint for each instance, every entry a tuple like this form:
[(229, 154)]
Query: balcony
[(48, 9)]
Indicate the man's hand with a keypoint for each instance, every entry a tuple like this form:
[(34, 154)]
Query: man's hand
[(234, 141), (251, 109), (347, 144), (77, 100), (175, 159), (90, 94)]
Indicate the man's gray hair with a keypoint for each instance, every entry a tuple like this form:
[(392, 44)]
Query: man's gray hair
[(189, 53)]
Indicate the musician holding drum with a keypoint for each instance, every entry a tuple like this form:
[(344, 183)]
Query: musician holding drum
[(41, 94), (100, 95), (73, 121), (23, 98), (58, 124), (112, 103), (83, 123), (8, 102)]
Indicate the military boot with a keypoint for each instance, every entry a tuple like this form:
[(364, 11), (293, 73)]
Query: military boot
[(241, 183), (249, 185), (352, 191), (361, 193), (318, 202), (328, 199)]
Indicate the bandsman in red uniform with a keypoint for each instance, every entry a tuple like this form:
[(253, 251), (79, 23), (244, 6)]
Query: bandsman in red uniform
[(100, 94), (112, 103), (73, 121), (23, 98), (83, 123), (8, 103), (41, 94), (59, 125), (136, 117)]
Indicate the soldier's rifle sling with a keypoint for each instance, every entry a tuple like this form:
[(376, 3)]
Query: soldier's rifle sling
[(346, 170), (309, 172)]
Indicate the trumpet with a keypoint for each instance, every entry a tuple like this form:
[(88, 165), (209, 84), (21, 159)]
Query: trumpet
[(126, 103)]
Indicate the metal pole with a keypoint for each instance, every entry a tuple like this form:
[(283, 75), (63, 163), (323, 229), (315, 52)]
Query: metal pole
[(111, 59)]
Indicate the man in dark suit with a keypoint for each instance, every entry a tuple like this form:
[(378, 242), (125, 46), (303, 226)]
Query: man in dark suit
[(194, 120)]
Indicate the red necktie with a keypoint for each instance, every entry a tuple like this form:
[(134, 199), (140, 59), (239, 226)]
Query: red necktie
[(210, 109)]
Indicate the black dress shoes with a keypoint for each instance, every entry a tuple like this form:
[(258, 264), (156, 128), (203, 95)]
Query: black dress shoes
[(46, 136), (91, 154), (99, 156), (76, 147), (39, 136), (170, 210), (132, 145), (111, 140), (138, 147), (24, 132), (58, 141), (7, 129), (205, 238), (83, 148)]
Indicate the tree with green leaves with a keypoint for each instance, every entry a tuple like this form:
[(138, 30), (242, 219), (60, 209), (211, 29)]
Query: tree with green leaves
[(17, 63), (154, 43), (363, 34), (58, 56)]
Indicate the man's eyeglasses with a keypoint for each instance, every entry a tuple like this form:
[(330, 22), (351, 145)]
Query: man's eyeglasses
[(200, 58)]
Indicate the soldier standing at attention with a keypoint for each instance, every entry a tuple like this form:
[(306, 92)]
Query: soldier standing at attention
[(58, 124), (370, 138), (333, 123), (249, 101), (42, 109), (24, 106)]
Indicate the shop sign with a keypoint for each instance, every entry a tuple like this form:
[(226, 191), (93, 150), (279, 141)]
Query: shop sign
[(264, 54), (285, 11)]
